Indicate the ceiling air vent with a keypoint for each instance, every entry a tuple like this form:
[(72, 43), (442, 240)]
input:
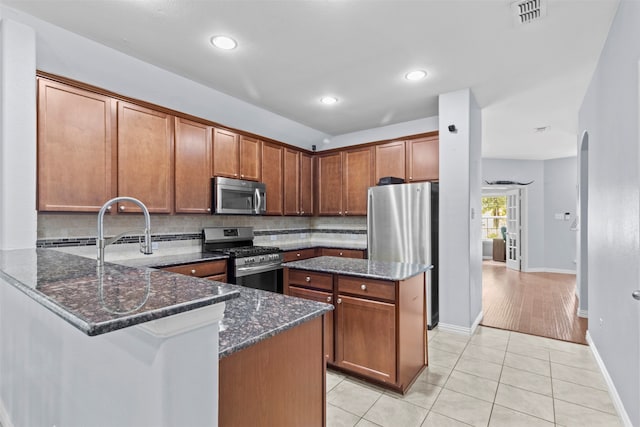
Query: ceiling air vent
[(529, 11)]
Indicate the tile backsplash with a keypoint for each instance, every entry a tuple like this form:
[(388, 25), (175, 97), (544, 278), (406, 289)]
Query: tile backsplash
[(63, 229)]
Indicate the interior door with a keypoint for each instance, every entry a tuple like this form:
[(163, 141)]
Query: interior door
[(513, 229)]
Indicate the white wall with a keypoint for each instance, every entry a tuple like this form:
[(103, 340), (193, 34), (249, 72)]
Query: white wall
[(17, 136), (67, 54), (560, 196), (533, 218), (397, 130), (610, 114), (460, 251)]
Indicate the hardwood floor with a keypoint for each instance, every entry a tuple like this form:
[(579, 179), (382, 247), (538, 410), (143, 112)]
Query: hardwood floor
[(541, 304)]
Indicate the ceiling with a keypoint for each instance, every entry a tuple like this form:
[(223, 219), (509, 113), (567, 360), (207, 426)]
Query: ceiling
[(293, 52)]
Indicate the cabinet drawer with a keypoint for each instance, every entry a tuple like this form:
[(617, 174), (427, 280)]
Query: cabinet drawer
[(298, 255), (345, 253), (369, 288), (218, 278), (310, 279), (201, 269)]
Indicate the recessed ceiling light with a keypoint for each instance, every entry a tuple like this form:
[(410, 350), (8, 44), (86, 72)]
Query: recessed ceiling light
[(223, 42), (415, 75), (328, 100)]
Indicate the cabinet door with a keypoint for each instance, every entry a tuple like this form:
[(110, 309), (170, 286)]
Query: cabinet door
[(325, 297), (193, 167), (306, 184), (357, 166), (423, 159), (249, 158), (330, 184), (76, 140), (366, 337), (291, 182), (272, 176), (390, 160), (145, 158), (226, 153)]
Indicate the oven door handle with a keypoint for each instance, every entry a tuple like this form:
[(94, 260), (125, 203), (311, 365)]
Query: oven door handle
[(245, 271)]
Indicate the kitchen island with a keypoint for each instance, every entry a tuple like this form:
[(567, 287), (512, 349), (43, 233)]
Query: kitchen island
[(128, 346), (378, 331)]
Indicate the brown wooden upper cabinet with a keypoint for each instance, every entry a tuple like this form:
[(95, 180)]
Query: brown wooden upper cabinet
[(298, 183), (272, 169), (343, 180), (76, 142), (236, 156), (357, 172), (329, 167), (192, 167), (423, 159), (145, 158), (390, 160)]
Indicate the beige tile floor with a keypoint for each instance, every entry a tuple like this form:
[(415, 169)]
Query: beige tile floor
[(493, 378)]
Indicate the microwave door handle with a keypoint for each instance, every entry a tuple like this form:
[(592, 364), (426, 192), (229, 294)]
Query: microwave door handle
[(257, 201)]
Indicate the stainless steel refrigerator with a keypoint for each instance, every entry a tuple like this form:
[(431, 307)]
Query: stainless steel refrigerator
[(402, 226)]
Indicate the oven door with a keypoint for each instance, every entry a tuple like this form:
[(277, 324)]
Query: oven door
[(266, 277)]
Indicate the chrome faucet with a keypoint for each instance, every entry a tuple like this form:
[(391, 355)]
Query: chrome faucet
[(145, 247)]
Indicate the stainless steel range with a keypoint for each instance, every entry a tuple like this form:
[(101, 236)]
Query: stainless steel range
[(256, 267)]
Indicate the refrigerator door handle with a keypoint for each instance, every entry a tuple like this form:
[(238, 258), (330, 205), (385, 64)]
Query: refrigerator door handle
[(370, 210)]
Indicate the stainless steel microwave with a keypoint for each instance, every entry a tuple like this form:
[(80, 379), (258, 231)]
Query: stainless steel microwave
[(238, 197)]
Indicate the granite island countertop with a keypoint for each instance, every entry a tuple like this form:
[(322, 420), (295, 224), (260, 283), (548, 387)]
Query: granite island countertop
[(257, 315), (97, 301), (381, 270)]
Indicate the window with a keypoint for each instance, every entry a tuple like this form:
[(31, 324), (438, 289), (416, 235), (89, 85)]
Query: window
[(494, 216)]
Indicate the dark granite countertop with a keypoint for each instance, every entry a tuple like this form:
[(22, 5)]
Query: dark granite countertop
[(360, 267), (97, 302), (258, 315)]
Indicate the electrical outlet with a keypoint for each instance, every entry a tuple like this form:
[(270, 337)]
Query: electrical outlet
[(601, 321)]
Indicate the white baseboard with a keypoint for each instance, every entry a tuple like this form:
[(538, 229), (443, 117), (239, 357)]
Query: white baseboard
[(461, 329), (548, 270), (5, 421), (559, 270), (583, 313), (487, 257), (613, 392)]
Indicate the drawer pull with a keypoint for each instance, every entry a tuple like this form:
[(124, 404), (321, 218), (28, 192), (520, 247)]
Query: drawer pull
[(307, 279), (297, 254), (328, 299), (193, 271), (122, 208), (340, 253), (339, 300), (363, 287)]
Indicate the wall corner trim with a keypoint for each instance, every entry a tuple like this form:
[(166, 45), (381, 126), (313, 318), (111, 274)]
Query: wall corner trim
[(613, 392)]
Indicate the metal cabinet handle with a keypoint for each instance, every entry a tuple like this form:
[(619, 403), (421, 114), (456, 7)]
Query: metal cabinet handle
[(363, 287), (307, 279), (301, 212), (328, 299), (339, 212), (193, 271), (121, 208), (297, 255), (109, 209), (208, 209), (340, 253), (339, 300), (241, 175), (636, 294)]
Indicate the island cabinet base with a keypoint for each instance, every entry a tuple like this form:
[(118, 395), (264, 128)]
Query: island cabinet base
[(279, 381)]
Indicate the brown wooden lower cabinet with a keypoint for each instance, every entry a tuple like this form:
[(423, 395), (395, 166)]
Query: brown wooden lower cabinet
[(345, 253), (379, 326), (277, 382), (366, 337), (320, 296), (213, 270)]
